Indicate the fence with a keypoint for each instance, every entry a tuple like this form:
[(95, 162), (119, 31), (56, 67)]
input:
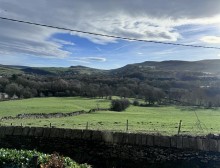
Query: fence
[(173, 128), (11, 134)]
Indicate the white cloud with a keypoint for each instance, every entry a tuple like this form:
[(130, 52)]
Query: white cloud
[(119, 48), (97, 59), (18, 39), (143, 19), (88, 60), (211, 39), (165, 52)]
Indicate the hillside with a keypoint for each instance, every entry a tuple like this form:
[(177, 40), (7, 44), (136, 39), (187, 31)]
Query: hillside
[(9, 70), (211, 66), (194, 83), (205, 66)]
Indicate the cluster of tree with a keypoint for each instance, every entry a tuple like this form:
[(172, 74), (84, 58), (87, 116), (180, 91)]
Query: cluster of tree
[(158, 90), (119, 105)]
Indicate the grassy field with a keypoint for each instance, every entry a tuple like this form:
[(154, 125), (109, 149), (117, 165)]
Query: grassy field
[(50, 105), (141, 119)]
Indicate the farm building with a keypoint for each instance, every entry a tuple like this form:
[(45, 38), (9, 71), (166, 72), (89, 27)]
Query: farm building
[(4, 96)]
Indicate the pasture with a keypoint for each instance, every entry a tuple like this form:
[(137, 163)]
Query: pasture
[(162, 120), (50, 105)]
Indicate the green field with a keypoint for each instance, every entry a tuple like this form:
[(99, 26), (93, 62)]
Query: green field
[(50, 105), (162, 120)]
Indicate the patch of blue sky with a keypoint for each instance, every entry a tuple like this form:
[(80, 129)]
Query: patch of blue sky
[(124, 52)]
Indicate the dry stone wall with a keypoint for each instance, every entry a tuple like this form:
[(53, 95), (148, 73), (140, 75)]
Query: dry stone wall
[(81, 144), (203, 143)]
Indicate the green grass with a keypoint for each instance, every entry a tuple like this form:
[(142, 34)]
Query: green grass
[(50, 105), (162, 120)]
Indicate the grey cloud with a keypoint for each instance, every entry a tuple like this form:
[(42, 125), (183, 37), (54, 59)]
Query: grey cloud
[(164, 35), (69, 12)]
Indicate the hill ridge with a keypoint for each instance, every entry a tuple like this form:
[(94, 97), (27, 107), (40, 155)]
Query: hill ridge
[(209, 66)]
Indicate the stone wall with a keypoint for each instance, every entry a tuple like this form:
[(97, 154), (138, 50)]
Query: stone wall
[(84, 145), (51, 115), (208, 143)]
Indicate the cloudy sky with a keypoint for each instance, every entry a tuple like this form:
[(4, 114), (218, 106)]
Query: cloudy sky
[(194, 22)]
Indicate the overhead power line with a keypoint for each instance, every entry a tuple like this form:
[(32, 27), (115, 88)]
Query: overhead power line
[(106, 35)]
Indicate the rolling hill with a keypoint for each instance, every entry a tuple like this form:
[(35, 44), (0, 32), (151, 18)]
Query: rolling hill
[(205, 66)]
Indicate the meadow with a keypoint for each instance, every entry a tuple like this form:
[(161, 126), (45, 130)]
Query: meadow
[(50, 105), (163, 120)]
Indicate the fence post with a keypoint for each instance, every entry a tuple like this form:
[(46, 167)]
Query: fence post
[(179, 128), (127, 126), (87, 125), (50, 125)]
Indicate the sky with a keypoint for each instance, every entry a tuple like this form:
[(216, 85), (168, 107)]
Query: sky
[(194, 22)]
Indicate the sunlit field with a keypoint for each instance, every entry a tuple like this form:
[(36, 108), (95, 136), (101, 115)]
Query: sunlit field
[(162, 120), (50, 105)]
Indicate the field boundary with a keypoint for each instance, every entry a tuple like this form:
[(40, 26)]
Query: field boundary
[(210, 143), (51, 115)]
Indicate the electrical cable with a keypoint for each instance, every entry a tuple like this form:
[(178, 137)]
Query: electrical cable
[(106, 35)]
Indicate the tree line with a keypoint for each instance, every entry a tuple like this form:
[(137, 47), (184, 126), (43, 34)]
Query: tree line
[(189, 91)]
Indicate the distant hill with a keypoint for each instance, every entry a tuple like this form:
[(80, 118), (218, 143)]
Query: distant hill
[(52, 71), (38, 71), (73, 70), (86, 70), (9, 70), (205, 66), (211, 66)]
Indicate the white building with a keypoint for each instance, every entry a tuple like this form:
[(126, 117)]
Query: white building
[(4, 96)]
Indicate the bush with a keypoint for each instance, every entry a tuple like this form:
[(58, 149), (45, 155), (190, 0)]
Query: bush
[(119, 105), (136, 103), (23, 159)]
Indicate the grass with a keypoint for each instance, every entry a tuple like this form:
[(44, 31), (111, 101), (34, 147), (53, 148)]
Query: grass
[(50, 105), (141, 119)]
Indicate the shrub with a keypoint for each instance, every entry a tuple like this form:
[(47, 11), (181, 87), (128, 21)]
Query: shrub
[(55, 161), (23, 159), (119, 105), (136, 103)]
